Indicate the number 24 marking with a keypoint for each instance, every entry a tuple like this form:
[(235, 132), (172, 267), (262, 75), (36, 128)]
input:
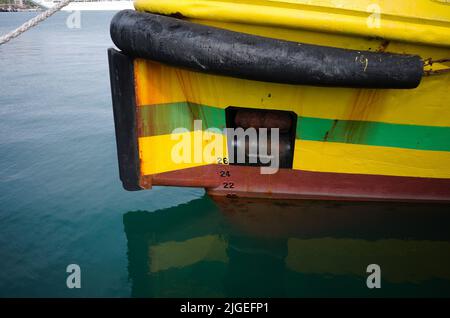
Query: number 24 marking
[(224, 174)]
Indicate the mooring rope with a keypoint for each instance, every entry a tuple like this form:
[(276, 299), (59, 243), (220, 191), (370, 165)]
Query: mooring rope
[(32, 22)]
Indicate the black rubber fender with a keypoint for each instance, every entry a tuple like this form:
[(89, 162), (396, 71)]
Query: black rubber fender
[(218, 51)]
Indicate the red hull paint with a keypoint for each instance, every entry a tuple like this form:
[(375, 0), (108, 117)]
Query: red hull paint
[(242, 181)]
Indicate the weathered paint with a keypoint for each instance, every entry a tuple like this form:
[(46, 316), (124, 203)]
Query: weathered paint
[(302, 184), (425, 106), (357, 144), (419, 21), (381, 132), (162, 119)]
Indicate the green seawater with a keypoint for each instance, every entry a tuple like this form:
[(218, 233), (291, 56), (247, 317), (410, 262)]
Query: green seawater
[(61, 203)]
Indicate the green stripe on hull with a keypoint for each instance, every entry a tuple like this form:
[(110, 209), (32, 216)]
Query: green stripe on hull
[(164, 118), (374, 133)]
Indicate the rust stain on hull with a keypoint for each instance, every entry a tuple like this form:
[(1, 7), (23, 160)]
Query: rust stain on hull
[(365, 104)]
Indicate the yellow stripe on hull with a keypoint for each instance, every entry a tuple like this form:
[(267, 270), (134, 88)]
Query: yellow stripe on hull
[(156, 155), (360, 159)]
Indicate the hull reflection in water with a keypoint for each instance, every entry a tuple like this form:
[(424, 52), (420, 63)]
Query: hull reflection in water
[(251, 247)]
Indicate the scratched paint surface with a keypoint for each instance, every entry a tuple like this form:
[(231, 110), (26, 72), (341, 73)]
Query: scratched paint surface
[(354, 131), (362, 131)]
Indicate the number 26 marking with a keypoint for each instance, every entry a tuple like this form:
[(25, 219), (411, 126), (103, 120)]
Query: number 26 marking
[(221, 161)]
